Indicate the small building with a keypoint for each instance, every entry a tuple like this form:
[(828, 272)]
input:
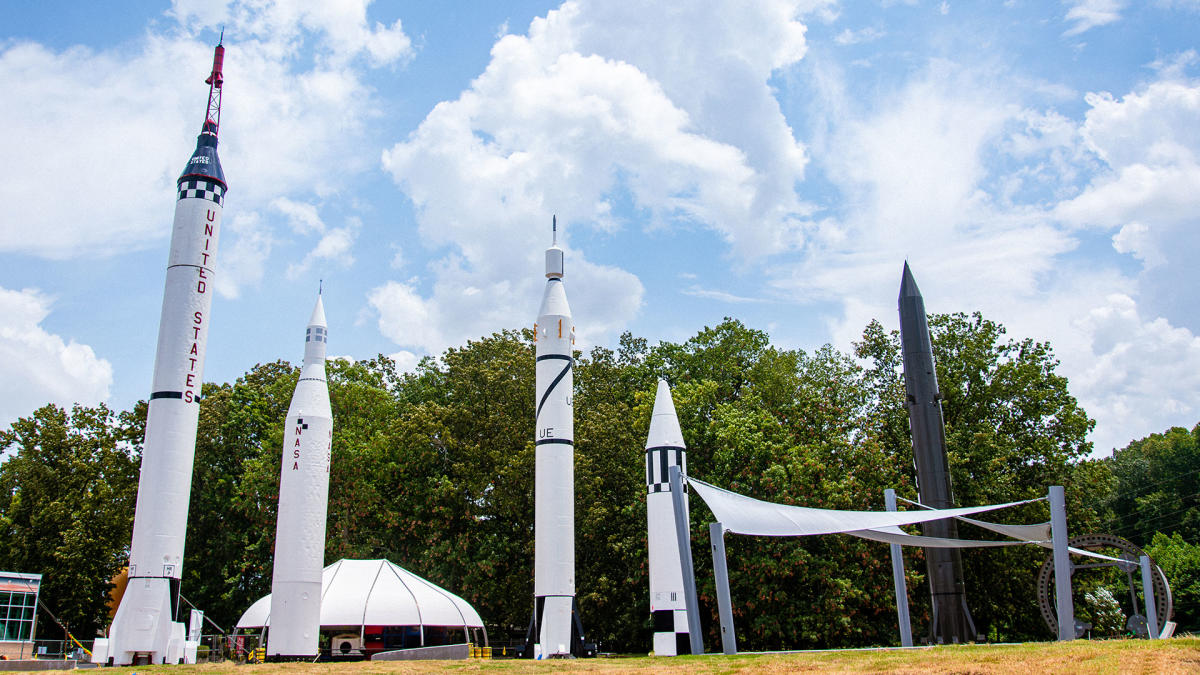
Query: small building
[(372, 606), (18, 613)]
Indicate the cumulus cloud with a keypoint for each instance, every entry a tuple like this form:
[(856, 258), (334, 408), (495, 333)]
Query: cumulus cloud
[(136, 112), (334, 248), (1142, 374), (917, 166), (1148, 196), (991, 196), (596, 103), (40, 367)]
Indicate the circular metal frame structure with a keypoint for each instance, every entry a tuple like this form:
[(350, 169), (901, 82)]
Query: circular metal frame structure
[(1130, 556)]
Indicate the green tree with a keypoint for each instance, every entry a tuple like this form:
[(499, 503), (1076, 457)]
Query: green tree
[(1180, 562), (67, 497), (1012, 429), (235, 482), (1155, 489)]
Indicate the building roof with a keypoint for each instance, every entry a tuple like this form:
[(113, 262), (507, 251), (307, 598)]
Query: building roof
[(377, 593)]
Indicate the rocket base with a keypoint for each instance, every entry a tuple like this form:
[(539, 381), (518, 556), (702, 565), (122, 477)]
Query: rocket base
[(578, 647), (143, 631)]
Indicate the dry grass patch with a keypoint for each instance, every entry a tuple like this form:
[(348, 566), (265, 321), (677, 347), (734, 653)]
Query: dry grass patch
[(1163, 657)]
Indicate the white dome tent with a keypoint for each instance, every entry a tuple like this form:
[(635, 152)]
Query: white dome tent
[(369, 606)]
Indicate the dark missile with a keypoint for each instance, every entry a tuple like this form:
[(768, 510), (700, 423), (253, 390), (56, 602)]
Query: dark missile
[(952, 621)]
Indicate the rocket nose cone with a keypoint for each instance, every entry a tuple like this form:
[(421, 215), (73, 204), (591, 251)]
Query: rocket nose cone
[(554, 300), (664, 422), (908, 285), (318, 314)]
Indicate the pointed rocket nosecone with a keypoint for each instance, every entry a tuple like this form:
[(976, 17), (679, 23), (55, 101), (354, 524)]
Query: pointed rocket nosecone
[(318, 315), (664, 423), (908, 285), (554, 300)]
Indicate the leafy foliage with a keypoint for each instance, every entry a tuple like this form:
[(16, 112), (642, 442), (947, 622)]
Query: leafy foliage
[(1180, 562), (433, 469), (1156, 486), (66, 507)]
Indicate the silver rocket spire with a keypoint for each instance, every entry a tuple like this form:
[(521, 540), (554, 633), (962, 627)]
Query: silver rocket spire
[(664, 449), (145, 628), (303, 504), (951, 619), (554, 480)]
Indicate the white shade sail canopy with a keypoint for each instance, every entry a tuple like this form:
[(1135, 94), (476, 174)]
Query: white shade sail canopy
[(377, 593), (745, 515)]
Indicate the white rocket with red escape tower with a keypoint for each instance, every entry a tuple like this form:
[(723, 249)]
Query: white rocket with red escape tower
[(146, 628)]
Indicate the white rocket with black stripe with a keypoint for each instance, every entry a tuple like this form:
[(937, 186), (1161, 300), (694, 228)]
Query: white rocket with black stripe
[(145, 627), (295, 619), (554, 480), (665, 449)]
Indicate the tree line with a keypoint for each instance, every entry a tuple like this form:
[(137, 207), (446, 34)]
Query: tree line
[(433, 470)]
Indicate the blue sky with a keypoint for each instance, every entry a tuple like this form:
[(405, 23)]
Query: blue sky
[(774, 161)]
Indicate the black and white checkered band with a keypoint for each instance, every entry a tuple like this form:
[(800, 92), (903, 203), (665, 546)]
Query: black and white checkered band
[(659, 461), (202, 189)]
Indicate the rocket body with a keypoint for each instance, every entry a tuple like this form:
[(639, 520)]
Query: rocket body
[(554, 481), (664, 449), (145, 623), (951, 618), (303, 505)]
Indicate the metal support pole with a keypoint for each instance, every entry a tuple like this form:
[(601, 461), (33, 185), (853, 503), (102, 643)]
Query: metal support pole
[(1148, 595), (1062, 564), (889, 498), (682, 533), (716, 534)]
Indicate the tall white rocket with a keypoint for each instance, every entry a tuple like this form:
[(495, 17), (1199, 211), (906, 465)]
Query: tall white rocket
[(665, 449), (554, 480), (145, 626), (303, 505)]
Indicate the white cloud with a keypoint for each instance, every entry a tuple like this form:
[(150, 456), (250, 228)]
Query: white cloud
[(854, 37), (721, 296), (122, 123), (1088, 14), (341, 28), (301, 217), (333, 249), (406, 361), (243, 261), (1148, 194), (1143, 376), (597, 103), (990, 198), (1189, 5), (39, 367), (405, 317)]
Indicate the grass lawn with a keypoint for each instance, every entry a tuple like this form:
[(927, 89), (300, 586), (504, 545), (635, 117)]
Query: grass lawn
[(1177, 655)]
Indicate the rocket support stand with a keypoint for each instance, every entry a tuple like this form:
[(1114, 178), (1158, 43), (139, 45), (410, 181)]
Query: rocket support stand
[(889, 498), (1148, 598), (1064, 603), (716, 534), (685, 562)]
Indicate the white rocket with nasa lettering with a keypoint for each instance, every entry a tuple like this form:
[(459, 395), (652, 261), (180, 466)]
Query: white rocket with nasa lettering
[(303, 504), (664, 449), (554, 480), (145, 627)]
